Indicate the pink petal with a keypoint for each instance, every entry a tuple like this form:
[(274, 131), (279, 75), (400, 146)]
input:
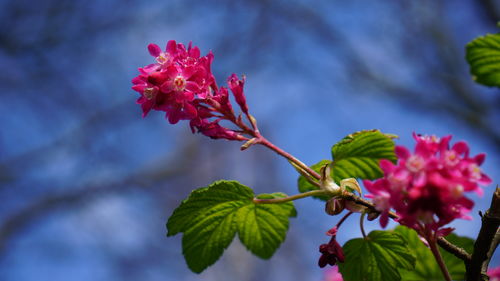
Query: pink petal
[(444, 143), (188, 71), (484, 180), (194, 52), (157, 78), (445, 231), (167, 87), (140, 100), (139, 88), (479, 159), (181, 97), (154, 50), (384, 219), (420, 179), (139, 80), (402, 152), (190, 111), (171, 47), (192, 86), (173, 116), (146, 107), (386, 166), (461, 147), (171, 72)]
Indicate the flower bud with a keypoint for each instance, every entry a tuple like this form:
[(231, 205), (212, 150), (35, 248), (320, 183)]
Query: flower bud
[(326, 181), (372, 215), (334, 206)]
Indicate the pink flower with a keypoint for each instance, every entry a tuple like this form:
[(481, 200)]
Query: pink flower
[(213, 130), (333, 274), (331, 252), (172, 83), (236, 87), (494, 273), (427, 188), (181, 84)]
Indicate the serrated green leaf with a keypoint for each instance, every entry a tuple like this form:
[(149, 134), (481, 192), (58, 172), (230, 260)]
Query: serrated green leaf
[(483, 55), (376, 258), (262, 227), (211, 216), (201, 200), (426, 267), (305, 185), (358, 155)]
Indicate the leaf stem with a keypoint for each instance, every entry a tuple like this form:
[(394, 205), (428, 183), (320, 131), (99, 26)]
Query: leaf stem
[(361, 220), (291, 198)]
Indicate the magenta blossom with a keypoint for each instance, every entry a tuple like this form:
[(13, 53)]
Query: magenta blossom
[(181, 84), (171, 84), (236, 87), (427, 188)]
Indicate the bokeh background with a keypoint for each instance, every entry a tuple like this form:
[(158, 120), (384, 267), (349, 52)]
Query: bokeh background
[(86, 184)]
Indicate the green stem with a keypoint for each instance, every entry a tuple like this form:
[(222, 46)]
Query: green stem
[(290, 198), (361, 221)]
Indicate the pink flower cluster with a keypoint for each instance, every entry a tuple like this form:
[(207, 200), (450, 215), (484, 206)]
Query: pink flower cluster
[(427, 188), (181, 84)]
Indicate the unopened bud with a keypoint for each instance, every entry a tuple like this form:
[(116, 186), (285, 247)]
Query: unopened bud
[(334, 206), (372, 215), (326, 181), (248, 143)]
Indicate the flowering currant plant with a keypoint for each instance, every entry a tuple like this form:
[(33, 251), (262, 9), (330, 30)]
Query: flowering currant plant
[(423, 188)]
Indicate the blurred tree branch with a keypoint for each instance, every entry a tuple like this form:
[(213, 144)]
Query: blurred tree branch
[(178, 164)]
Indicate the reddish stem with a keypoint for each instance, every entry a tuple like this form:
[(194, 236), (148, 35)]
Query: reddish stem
[(431, 239), (263, 141), (343, 219)]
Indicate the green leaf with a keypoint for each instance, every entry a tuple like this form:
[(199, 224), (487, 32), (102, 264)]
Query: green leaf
[(358, 155), (483, 55), (305, 185), (426, 267), (262, 227), (211, 216), (376, 258)]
